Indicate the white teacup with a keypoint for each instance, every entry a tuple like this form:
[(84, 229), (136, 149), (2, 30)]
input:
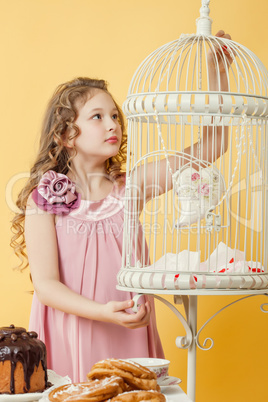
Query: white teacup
[(158, 366), (198, 192)]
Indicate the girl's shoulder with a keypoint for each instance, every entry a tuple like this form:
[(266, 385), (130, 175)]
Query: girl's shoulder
[(56, 194)]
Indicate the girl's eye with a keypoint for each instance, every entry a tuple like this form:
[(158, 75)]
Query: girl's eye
[(115, 116), (96, 117)]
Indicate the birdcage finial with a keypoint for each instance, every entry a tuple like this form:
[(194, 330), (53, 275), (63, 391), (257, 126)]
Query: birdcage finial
[(204, 21)]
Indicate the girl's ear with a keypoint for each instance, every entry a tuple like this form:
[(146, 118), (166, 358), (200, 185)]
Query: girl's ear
[(68, 144), (68, 140)]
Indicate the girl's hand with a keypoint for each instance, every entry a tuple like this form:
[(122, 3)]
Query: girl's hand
[(219, 54), (222, 34), (219, 61), (115, 312)]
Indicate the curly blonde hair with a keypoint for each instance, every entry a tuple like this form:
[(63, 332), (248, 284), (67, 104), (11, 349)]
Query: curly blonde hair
[(61, 114)]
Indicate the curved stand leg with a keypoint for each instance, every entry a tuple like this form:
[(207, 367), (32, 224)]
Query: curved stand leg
[(182, 342), (210, 340)]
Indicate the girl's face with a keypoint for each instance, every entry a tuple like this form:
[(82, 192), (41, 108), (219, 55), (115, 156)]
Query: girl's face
[(100, 132)]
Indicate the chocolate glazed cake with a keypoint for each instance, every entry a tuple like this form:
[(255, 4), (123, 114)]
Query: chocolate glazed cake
[(23, 366)]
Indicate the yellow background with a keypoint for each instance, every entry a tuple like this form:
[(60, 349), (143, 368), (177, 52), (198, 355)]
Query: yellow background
[(46, 42)]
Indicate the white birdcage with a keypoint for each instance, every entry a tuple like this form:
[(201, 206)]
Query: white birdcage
[(210, 230)]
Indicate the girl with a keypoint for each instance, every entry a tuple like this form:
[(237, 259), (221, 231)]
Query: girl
[(72, 216), (73, 205)]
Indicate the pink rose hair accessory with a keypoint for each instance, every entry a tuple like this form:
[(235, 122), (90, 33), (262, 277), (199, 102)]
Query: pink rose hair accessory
[(56, 193)]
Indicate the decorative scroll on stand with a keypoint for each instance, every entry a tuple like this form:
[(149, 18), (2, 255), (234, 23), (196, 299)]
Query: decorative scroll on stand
[(191, 340)]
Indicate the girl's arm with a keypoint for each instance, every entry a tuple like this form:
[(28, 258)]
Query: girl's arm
[(41, 242), (208, 137)]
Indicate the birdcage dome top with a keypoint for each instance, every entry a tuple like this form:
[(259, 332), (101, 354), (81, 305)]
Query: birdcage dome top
[(176, 78)]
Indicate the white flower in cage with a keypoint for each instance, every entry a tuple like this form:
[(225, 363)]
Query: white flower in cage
[(198, 192)]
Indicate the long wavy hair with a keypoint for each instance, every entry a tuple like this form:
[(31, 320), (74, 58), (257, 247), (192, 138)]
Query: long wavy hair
[(60, 115)]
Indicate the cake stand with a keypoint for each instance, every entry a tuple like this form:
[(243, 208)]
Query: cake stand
[(190, 340)]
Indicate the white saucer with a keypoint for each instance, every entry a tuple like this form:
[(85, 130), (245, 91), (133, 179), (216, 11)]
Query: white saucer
[(169, 381)]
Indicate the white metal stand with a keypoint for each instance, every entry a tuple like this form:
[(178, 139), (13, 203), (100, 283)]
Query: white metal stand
[(191, 340), (191, 367)]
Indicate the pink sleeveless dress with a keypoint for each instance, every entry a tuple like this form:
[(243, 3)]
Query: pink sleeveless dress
[(90, 252)]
